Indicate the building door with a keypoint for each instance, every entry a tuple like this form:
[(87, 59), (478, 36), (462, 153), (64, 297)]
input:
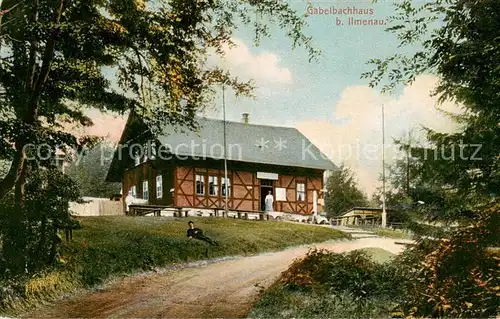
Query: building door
[(266, 185)]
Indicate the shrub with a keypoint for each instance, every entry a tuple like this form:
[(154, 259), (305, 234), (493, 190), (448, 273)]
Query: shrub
[(457, 275), (353, 273), (331, 285)]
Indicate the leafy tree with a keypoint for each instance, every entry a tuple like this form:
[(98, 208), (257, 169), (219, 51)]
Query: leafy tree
[(397, 195), (460, 171), (56, 52), (89, 169), (342, 193), (53, 63), (34, 227), (4, 168)]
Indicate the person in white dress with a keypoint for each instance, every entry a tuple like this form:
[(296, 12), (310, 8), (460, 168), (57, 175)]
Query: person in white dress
[(129, 200), (269, 202)]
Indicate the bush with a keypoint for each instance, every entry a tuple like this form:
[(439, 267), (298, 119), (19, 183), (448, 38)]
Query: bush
[(457, 275), (330, 285), (353, 273), (29, 229)]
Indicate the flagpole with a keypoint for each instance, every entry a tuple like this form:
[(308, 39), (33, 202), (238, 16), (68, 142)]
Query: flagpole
[(384, 213), (225, 150)]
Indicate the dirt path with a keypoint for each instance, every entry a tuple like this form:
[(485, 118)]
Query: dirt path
[(226, 289)]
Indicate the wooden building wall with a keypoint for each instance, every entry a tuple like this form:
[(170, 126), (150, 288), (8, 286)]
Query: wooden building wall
[(148, 171), (245, 190), (292, 205), (244, 193)]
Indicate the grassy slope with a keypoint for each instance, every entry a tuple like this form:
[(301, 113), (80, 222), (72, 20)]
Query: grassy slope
[(389, 233), (112, 246), (279, 302), (118, 245), (378, 254)]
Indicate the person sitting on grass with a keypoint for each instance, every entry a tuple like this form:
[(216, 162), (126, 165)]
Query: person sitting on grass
[(197, 233)]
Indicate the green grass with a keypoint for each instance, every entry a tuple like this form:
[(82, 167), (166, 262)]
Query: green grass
[(389, 233), (281, 302), (110, 247), (378, 255)]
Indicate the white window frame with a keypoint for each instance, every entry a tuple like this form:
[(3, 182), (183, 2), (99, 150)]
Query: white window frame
[(213, 184), (223, 186), (159, 186), (301, 190), (145, 190), (202, 180)]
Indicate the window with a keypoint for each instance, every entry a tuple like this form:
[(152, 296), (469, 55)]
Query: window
[(200, 184), (223, 185), (145, 190), (159, 186), (213, 187), (134, 191), (301, 192)]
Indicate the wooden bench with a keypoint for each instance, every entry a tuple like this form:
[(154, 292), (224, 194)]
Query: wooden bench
[(142, 210)]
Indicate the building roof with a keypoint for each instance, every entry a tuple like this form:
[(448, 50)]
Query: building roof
[(252, 143)]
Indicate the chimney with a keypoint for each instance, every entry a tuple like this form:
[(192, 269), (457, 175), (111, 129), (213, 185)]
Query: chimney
[(245, 118)]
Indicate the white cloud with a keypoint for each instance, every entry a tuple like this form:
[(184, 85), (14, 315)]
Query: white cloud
[(264, 67), (358, 143)]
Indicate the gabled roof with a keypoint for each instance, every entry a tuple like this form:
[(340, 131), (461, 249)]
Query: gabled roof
[(252, 143)]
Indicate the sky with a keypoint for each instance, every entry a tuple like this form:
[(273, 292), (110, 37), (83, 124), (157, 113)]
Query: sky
[(326, 100)]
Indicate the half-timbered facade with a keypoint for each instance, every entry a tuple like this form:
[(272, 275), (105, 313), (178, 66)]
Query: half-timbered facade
[(187, 169)]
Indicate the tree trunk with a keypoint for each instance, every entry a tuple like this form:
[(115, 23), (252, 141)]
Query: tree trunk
[(30, 117), (21, 185), (14, 173)]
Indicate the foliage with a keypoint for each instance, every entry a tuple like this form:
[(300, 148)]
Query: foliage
[(330, 285), (4, 168), (29, 232), (56, 54), (58, 58), (460, 170), (353, 273), (280, 302), (453, 274), (342, 193), (399, 185), (89, 170), (107, 247)]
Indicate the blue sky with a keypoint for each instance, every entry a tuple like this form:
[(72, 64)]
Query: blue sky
[(317, 85)]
